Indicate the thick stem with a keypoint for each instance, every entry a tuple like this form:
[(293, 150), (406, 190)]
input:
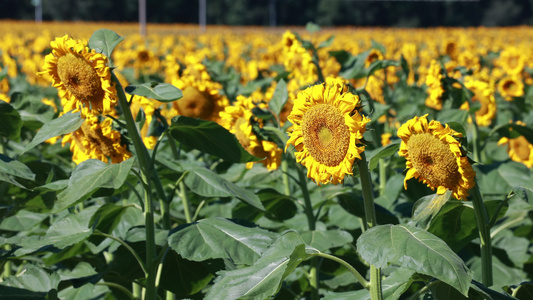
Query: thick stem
[(311, 220), (146, 170), (370, 221), (482, 219)]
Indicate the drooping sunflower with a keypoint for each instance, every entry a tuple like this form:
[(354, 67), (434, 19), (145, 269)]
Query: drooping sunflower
[(96, 140), (81, 76), (327, 130), (434, 157), (519, 149)]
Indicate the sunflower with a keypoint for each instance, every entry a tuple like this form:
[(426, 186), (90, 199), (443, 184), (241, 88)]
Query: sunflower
[(434, 157), (435, 89), (484, 94), (81, 76), (519, 149), (96, 140), (236, 119), (327, 130), (510, 87)]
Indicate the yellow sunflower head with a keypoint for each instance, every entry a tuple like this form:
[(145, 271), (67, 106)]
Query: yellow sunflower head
[(484, 94), (519, 149), (327, 130), (434, 83), (510, 87), (236, 118), (434, 157), (81, 76), (96, 140)]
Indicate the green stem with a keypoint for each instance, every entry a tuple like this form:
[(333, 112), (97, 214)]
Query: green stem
[(382, 176), (185, 201), (284, 170), (118, 287), (313, 272), (146, 170), (7, 266), (357, 275), (482, 219), (370, 221), (128, 247)]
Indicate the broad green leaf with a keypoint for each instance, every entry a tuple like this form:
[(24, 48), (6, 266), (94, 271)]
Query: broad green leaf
[(162, 92), (386, 151), (355, 205), (22, 221), (89, 176), (33, 278), (279, 98), (379, 47), (523, 291), (83, 269), (108, 216), (452, 117), (393, 286), (326, 43), (514, 131), (277, 207), (209, 184), (502, 273), (11, 122), (263, 279), (209, 137), (64, 124), (86, 291), (415, 249), (325, 240), (104, 41), (220, 238), (380, 65), (516, 174), (64, 232), (427, 207), (13, 167), (185, 278), (455, 223)]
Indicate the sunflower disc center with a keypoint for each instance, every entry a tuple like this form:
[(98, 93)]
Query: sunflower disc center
[(434, 160), (326, 135), (80, 78), (195, 104)]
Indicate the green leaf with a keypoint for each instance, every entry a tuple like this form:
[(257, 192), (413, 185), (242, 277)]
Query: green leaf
[(108, 216), (209, 137), (415, 249), (220, 238), (326, 43), (386, 151), (33, 278), (378, 46), (280, 97), (64, 232), (393, 286), (516, 174), (86, 291), (8, 292), (209, 184), (64, 124), (89, 176), (22, 221), (427, 207), (83, 269), (263, 279), (13, 167), (325, 240), (104, 41), (162, 92), (380, 65), (523, 291), (11, 121)]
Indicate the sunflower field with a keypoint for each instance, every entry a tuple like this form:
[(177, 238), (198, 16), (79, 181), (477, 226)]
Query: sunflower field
[(254, 163)]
